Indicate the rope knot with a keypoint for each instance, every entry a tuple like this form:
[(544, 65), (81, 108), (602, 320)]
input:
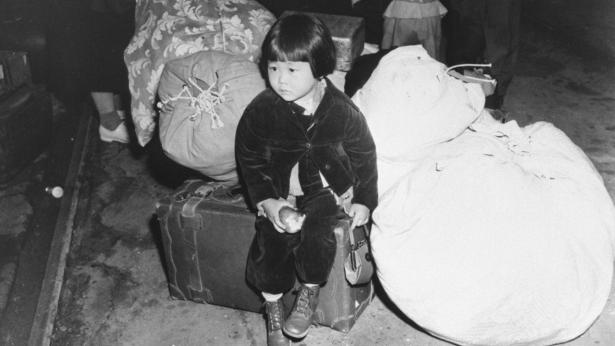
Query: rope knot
[(205, 101)]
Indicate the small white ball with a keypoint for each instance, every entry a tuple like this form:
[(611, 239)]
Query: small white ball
[(56, 191)]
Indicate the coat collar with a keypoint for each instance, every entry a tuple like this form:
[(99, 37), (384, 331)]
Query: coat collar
[(321, 110)]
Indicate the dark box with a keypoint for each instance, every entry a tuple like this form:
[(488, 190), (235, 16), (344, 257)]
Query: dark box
[(348, 36), (14, 71)]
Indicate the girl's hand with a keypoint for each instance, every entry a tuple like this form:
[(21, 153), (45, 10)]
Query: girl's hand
[(359, 214), (270, 208)]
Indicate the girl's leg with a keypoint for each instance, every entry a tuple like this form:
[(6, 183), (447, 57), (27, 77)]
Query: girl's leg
[(274, 309), (270, 269), (271, 264), (314, 258), (315, 255)]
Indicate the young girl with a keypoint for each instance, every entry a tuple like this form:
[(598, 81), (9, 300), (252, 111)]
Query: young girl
[(301, 143), (410, 22)]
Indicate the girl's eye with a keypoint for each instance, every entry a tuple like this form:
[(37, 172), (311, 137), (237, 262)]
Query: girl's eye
[(292, 69), (272, 68)]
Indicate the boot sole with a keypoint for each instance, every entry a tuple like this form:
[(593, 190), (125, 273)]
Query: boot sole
[(111, 140)]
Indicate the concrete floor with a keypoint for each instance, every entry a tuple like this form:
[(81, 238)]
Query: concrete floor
[(115, 292)]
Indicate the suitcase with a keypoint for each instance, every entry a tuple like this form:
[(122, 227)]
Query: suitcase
[(25, 128), (206, 233), (14, 71), (348, 35)]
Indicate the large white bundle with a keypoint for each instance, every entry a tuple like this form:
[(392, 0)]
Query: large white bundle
[(410, 103), (502, 236), (485, 233)]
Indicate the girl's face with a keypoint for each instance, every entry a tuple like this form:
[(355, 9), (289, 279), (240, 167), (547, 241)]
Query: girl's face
[(292, 80)]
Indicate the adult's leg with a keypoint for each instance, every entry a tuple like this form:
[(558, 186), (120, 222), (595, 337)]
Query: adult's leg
[(106, 106), (501, 44), (112, 127), (400, 32), (430, 35), (109, 34), (464, 29)]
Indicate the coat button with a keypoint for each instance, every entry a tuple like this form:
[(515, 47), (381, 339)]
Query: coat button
[(308, 145), (327, 166)]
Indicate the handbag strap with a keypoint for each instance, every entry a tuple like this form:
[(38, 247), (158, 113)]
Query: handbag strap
[(354, 244)]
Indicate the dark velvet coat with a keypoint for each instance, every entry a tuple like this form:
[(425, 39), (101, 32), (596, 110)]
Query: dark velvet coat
[(270, 140)]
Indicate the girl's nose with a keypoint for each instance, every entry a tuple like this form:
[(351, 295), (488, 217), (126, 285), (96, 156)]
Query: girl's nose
[(282, 77)]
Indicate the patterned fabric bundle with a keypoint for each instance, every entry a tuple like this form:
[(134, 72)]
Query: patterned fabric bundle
[(167, 30)]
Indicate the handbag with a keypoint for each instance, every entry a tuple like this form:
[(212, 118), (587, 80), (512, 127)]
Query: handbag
[(359, 264)]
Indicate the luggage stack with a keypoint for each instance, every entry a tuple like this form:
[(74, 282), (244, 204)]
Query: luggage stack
[(25, 115), (207, 230), (348, 35)]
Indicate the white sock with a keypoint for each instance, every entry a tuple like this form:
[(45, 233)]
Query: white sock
[(311, 285), (271, 297)]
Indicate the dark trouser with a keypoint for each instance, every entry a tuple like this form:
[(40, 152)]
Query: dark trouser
[(276, 259), (485, 31)]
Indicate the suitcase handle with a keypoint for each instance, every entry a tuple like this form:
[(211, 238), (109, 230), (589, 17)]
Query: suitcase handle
[(202, 191), (213, 191)]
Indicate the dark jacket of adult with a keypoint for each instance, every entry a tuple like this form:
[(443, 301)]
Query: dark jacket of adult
[(270, 140)]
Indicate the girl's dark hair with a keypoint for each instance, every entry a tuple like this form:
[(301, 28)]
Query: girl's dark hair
[(300, 37)]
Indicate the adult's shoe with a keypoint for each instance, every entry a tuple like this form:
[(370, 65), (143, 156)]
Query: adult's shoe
[(120, 134)]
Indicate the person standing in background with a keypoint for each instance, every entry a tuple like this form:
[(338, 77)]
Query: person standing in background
[(484, 31), (111, 27), (411, 22)]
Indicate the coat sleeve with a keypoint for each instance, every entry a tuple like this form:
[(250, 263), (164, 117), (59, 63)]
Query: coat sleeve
[(253, 158), (360, 148)]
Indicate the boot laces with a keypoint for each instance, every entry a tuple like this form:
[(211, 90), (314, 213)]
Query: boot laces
[(303, 301), (274, 315)]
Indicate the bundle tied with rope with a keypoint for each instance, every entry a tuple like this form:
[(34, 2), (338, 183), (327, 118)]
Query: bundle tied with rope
[(202, 98)]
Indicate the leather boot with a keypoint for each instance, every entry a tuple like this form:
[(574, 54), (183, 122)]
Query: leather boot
[(300, 319), (275, 317)]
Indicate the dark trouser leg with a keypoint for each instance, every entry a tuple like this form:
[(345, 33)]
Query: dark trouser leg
[(271, 265), (274, 256), (464, 28), (314, 258), (316, 252), (502, 44)]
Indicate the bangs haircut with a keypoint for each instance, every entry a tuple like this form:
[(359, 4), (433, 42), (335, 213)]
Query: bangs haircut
[(300, 37)]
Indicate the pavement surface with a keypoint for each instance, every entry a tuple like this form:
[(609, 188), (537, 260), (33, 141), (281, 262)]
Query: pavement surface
[(114, 290)]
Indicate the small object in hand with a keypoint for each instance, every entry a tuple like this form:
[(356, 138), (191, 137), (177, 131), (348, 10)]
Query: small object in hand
[(292, 219), (55, 191)]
